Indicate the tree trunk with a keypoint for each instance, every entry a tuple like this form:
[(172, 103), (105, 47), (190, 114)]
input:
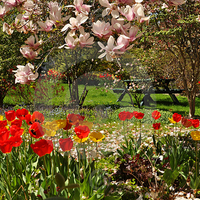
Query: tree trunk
[(1, 101), (191, 101), (74, 93), (2, 96)]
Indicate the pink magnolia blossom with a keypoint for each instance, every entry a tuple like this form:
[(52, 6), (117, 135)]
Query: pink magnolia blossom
[(80, 7), (198, 18), (55, 13), (33, 42), (127, 12), (26, 16), (110, 49), (123, 41), (29, 5), (125, 2), (85, 40), (177, 2), (3, 11), (110, 8), (28, 26), (71, 42), (138, 9), (133, 32), (18, 20), (29, 53), (75, 23), (24, 74), (10, 3), (102, 29), (119, 26), (7, 29), (46, 26)]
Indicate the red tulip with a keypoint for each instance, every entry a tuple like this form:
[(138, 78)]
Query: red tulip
[(21, 113), (139, 115), (42, 147), (156, 126), (125, 115), (4, 134), (195, 123), (134, 113), (28, 119), (82, 131), (185, 122), (37, 117), (176, 117), (36, 130), (6, 146), (75, 118), (66, 144), (3, 123), (17, 122), (10, 115), (129, 115), (15, 130), (122, 116), (68, 125), (16, 140), (80, 117), (156, 115)]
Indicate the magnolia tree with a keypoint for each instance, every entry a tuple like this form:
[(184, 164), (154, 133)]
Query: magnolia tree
[(114, 25)]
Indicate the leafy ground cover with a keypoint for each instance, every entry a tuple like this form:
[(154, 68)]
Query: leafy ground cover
[(130, 158), (121, 159)]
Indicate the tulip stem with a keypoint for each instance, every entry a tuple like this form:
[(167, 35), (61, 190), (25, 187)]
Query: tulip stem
[(8, 168), (196, 166), (67, 165), (45, 168), (52, 170), (79, 159), (123, 128), (96, 155)]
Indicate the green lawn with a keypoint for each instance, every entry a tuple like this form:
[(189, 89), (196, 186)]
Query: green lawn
[(99, 97)]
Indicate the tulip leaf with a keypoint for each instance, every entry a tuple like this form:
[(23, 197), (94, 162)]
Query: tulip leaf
[(170, 176), (60, 180), (70, 186), (56, 198)]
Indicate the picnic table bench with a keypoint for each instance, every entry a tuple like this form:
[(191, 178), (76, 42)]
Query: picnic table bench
[(159, 86)]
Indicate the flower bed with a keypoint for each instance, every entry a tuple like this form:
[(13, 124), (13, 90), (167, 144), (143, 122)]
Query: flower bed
[(73, 158)]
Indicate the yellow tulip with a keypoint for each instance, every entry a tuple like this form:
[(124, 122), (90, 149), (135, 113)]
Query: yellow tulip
[(77, 139), (61, 123), (1, 117), (51, 125), (195, 135), (86, 123), (96, 136), (171, 120), (49, 132)]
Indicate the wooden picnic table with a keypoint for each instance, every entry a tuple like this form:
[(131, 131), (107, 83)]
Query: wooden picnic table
[(159, 86)]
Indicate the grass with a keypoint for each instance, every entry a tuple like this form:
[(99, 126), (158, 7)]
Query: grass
[(100, 98)]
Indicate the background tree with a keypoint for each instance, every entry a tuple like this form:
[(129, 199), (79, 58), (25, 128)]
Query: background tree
[(75, 63), (177, 30)]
